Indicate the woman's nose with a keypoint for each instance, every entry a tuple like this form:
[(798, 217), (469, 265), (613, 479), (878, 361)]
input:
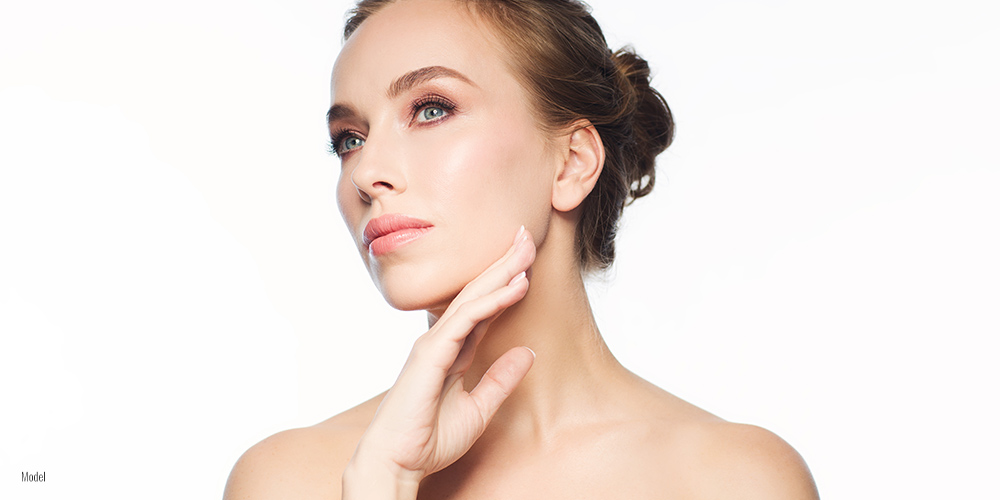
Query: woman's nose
[(378, 173)]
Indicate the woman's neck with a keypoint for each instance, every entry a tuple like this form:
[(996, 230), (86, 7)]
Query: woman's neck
[(574, 375)]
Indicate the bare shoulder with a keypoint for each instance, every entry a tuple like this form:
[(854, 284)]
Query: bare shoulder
[(305, 463), (683, 451), (729, 460)]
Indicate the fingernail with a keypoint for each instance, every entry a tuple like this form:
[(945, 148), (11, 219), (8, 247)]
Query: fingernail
[(517, 278), (519, 232), (532, 352)]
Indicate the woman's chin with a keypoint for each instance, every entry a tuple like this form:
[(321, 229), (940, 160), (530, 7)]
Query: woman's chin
[(407, 302), (417, 294)]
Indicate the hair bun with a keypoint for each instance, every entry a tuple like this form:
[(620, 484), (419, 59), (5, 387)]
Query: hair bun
[(652, 122)]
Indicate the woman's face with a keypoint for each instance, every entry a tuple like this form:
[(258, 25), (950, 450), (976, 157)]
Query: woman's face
[(430, 124)]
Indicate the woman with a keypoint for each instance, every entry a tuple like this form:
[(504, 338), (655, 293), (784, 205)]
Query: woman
[(460, 125)]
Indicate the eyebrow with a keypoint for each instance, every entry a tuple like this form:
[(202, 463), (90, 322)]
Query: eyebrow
[(422, 75), (401, 85), (338, 111)]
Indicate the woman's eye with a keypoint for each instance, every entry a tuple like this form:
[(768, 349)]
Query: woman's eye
[(350, 143), (430, 113)]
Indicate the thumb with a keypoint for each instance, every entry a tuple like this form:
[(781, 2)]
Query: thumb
[(500, 380)]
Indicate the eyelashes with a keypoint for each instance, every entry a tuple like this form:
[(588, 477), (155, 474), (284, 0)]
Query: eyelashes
[(427, 110), (337, 139), (421, 105)]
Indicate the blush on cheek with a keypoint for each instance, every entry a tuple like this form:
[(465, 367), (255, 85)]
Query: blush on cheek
[(489, 182)]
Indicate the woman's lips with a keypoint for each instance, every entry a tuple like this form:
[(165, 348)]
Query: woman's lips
[(391, 231)]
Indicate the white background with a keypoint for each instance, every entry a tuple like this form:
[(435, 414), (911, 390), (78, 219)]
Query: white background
[(819, 256)]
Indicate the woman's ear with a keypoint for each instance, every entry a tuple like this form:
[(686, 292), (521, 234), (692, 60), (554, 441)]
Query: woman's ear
[(581, 163)]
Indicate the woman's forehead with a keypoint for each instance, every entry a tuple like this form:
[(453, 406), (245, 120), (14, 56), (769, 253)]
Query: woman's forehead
[(413, 34)]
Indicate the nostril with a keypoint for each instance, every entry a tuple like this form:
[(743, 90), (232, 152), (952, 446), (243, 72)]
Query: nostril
[(372, 181)]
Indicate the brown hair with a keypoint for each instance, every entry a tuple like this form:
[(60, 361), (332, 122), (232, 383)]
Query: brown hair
[(564, 62)]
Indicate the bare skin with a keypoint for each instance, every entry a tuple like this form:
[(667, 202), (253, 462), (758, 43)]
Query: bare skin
[(622, 438), (474, 414)]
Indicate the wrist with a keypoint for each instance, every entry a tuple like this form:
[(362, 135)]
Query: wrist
[(372, 480)]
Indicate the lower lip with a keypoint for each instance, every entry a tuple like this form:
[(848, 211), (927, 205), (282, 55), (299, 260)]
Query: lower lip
[(385, 244)]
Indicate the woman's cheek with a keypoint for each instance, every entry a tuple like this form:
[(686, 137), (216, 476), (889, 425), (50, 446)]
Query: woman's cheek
[(343, 197), (349, 203)]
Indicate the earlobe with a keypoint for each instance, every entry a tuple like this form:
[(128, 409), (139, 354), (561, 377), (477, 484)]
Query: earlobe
[(581, 164)]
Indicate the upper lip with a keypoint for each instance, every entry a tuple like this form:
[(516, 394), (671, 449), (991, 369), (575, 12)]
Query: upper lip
[(390, 223)]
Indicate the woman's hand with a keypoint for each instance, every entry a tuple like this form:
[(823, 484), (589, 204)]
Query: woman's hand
[(428, 420)]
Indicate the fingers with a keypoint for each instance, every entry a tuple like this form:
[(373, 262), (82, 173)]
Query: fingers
[(500, 380), (468, 351), (465, 328)]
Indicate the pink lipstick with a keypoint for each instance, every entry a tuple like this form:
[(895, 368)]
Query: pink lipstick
[(391, 231)]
